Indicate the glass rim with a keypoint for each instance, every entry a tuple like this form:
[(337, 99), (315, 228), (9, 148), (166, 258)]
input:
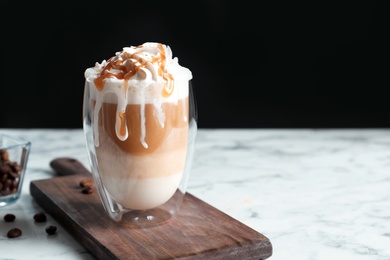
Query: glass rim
[(14, 141)]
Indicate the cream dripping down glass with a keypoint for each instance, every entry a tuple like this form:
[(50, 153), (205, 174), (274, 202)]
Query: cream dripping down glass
[(140, 124)]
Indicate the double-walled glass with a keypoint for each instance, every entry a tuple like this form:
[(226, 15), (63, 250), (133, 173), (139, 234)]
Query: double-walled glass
[(143, 178)]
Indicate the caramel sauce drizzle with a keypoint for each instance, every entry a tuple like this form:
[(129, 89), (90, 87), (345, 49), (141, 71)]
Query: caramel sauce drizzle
[(127, 73), (122, 119)]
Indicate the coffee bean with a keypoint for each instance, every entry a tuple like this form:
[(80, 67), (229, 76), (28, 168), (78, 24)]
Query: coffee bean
[(51, 230), (9, 217), (15, 167), (87, 190), (4, 174), (40, 217), (4, 156), (14, 232), (86, 183)]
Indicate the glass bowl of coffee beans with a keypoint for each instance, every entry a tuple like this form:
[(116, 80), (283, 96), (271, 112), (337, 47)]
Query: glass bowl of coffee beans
[(14, 153)]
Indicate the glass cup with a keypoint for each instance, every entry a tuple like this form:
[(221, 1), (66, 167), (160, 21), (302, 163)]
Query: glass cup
[(143, 178), (14, 153)]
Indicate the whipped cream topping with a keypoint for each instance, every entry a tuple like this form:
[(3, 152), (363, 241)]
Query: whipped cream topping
[(144, 74)]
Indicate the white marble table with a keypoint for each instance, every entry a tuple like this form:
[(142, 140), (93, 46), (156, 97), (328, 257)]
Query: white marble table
[(316, 194)]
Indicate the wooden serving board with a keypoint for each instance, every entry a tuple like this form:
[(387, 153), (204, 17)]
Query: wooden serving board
[(198, 231)]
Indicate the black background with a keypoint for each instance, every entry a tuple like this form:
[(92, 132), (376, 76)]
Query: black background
[(278, 65)]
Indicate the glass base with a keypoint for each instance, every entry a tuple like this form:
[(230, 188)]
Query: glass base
[(8, 200), (146, 218)]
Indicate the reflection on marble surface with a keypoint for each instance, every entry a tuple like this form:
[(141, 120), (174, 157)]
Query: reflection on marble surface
[(316, 194)]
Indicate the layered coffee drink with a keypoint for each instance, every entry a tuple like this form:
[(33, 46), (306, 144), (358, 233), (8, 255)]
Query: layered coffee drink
[(139, 112)]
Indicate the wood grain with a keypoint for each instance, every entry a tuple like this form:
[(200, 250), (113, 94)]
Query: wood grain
[(198, 231)]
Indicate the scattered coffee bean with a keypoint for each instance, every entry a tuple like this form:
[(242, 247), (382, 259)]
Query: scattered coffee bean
[(40, 217), (51, 230), (86, 183), (14, 232), (9, 217), (87, 190)]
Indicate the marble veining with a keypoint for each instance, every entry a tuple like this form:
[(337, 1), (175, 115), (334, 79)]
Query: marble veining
[(315, 193)]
